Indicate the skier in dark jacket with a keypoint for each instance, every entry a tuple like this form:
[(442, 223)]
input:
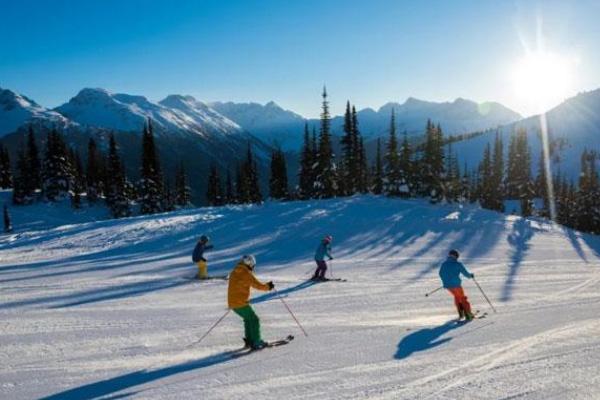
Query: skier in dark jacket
[(450, 272), (324, 250), (198, 256)]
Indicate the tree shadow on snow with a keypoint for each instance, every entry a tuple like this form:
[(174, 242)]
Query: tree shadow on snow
[(111, 386), (424, 339), (519, 239)]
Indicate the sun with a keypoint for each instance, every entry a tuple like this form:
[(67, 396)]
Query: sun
[(542, 80)]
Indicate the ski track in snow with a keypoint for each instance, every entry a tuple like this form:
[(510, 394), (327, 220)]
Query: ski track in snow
[(105, 310)]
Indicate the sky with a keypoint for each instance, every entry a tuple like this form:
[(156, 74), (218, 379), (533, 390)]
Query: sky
[(369, 53)]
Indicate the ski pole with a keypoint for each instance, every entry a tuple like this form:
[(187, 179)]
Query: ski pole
[(433, 291), (331, 268), (213, 327), (483, 293), (290, 311)]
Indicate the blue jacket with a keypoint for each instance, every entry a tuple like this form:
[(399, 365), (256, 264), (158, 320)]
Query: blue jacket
[(323, 250), (199, 250), (450, 273)]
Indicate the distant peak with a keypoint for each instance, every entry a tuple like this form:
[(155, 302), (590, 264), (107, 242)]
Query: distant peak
[(272, 104)]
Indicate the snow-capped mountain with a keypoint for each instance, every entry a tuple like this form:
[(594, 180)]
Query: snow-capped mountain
[(124, 112), (573, 126), (269, 122), (275, 125), (459, 116), (17, 110)]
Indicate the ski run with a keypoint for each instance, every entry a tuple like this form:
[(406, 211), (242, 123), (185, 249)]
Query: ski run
[(107, 309)]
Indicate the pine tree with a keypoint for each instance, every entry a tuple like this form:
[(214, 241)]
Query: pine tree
[(362, 168), (453, 179), (377, 187), (519, 184), (150, 185), (57, 174), (496, 187), (20, 195), (116, 183), (93, 172), (588, 201), (78, 181), (229, 192), (213, 191), (168, 196), (348, 163), (432, 165), (325, 182), (7, 223), (33, 178), (182, 190), (5, 169), (485, 179), (406, 168), (393, 174), (278, 184), (306, 175)]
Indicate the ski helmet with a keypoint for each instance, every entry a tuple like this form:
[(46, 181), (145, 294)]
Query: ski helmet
[(328, 239), (204, 238), (454, 253), (249, 260)]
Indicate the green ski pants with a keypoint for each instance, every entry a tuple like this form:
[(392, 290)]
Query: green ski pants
[(251, 323)]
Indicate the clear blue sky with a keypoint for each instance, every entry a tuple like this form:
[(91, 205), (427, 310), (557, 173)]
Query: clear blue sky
[(369, 52)]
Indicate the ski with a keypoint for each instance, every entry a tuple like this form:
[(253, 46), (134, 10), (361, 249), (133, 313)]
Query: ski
[(329, 280), (275, 343)]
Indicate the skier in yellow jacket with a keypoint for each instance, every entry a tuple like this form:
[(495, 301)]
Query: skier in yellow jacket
[(241, 280)]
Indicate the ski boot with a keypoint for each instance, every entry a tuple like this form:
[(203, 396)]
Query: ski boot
[(259, 345), (469, 316)]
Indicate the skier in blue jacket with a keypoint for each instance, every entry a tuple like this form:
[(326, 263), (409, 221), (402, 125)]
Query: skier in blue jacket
[(324, 250), (198, 256), (450, 272)]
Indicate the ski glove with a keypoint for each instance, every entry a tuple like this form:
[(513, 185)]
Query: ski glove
[(271, 285), (472, 276), (330, 258)]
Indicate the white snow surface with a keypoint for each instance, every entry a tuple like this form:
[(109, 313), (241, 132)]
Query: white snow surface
[(103, 310)]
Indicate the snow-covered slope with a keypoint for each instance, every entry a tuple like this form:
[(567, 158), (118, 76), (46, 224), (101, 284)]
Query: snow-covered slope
[(104, 310), (17, 110), (573, 126), (124, 112)]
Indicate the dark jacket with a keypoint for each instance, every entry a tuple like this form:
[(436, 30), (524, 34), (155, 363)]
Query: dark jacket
[(199, 250)]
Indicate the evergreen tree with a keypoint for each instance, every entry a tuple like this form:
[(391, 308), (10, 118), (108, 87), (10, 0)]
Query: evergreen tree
[(182, 190), (278, 184), (248, 190), (93, 172), (33, 178), (20, 195), (362, 168), (213, 192), (393, 173), (453, 178), (78, 181), (406, 167), (325, 182), (168, 196), (519, 183), (588, 195), (57, 175), (432, 166), (5, 169), (116, 190), (377, 186), (150, 185), (7, 223), (229, 192), (307, 161), (347, 165), (486, 179), (496, 187)]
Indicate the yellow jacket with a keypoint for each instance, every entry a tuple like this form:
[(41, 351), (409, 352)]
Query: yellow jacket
[(240, 281)]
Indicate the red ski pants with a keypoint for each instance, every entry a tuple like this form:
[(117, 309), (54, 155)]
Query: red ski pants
[(460, 300)]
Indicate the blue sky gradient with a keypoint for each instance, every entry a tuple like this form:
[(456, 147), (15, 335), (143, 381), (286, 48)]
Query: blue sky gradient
[(368, 52)]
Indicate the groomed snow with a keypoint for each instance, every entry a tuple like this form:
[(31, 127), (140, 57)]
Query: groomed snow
[(102, 310)]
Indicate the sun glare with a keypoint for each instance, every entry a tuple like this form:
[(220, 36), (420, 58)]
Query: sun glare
[(542, 80)]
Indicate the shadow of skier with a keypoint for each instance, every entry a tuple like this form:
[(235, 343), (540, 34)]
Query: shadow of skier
[(111, 386), (424, 339)]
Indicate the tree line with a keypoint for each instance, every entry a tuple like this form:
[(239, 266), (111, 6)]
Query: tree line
[(428, 169)]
